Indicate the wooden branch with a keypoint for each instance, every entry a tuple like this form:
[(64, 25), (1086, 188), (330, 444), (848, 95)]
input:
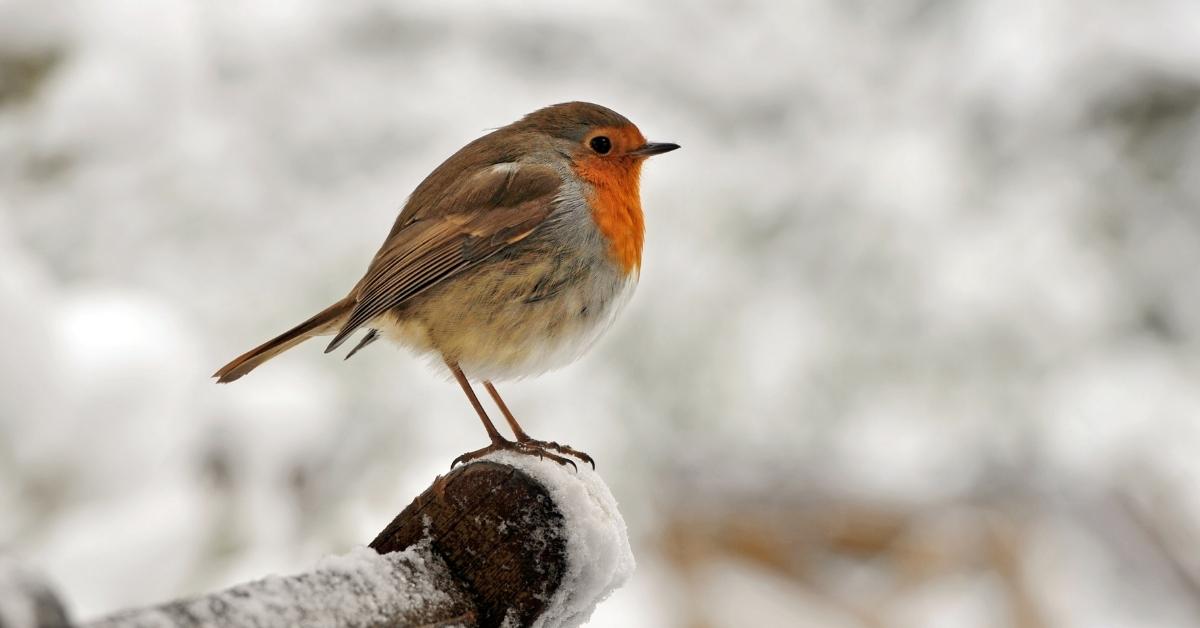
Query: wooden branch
[(498, 530), (404, 589), (508, 540)]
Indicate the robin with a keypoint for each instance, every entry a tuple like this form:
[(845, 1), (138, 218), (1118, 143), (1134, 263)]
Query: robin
[(510, 259)]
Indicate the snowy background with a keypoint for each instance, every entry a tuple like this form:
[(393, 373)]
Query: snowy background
[(916, 342)]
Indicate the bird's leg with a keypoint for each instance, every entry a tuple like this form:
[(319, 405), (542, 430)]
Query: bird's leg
[(525, 439), (492, 432), (512, 421), (499, 443)]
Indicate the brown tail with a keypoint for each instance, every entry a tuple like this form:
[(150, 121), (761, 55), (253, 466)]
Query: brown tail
[(326, 321)]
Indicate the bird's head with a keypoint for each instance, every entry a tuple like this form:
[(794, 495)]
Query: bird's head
[(604, 146)]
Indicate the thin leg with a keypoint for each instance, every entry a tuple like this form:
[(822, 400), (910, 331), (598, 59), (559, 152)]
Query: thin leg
[(512, 421), (499, 443), (492, 432), (524, 438)]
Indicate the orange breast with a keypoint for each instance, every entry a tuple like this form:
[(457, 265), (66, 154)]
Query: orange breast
[(617, 207)]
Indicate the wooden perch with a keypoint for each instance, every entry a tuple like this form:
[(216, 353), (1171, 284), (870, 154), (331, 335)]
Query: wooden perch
[(481, 519), (491, 543), (405, 589)]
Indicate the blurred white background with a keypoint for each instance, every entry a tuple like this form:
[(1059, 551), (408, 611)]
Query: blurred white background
[(915, 343)]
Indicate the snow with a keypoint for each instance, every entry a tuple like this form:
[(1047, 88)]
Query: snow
[(599, 558), (360, 587)]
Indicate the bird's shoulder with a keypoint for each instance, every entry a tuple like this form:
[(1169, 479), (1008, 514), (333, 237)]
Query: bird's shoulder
[(499, 170), (471, 207)]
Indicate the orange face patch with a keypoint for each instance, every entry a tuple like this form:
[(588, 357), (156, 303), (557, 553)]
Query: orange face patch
[(615, 199)]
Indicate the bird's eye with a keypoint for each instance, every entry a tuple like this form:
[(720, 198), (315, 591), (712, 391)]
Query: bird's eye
[(601, 144)]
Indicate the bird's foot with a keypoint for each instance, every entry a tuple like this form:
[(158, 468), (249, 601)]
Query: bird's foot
[(565, 450), (529, 447)]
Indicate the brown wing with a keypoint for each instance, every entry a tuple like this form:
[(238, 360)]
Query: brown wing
[(483, 215)]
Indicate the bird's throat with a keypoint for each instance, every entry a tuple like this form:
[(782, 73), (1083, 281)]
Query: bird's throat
[(617, 208)]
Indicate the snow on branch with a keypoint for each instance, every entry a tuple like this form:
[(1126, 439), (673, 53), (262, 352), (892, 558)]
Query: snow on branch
[(506, 541), (361, 588)]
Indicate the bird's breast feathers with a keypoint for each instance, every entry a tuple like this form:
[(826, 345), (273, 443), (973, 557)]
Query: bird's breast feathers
[(616, 207)]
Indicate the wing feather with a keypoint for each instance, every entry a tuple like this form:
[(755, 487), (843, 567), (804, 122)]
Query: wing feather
[(497, 207)]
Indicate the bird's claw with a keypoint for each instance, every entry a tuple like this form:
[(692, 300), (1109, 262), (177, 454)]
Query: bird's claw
[(566, 450), (530, 447)]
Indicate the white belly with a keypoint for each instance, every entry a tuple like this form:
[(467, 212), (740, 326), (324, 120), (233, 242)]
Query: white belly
[(509, 338)]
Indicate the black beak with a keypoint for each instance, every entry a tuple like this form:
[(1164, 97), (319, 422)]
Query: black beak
[(654, 148)]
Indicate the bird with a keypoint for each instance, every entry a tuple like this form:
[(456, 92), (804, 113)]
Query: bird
[(510, 259)]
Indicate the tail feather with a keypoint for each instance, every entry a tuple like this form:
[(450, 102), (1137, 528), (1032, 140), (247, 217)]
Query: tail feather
[(326, 321)]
